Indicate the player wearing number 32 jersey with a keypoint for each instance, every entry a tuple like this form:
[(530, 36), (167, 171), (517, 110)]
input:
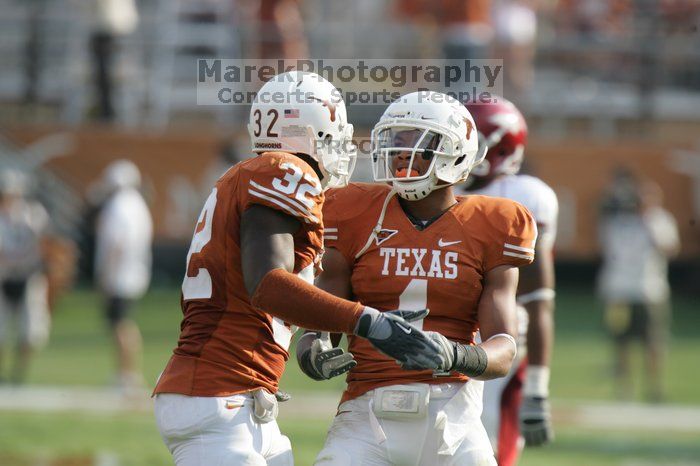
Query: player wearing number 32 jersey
[(256, 248), (415, 245)]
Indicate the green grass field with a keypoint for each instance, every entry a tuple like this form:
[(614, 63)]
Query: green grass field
[(80, 353)]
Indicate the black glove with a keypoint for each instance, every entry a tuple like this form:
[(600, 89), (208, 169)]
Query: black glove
[(395, 337), (536, 421)]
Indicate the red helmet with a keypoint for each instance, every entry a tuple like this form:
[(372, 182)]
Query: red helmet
[(503, 130)]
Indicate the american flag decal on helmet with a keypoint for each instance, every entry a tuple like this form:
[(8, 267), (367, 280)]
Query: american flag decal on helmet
[(291, 113)]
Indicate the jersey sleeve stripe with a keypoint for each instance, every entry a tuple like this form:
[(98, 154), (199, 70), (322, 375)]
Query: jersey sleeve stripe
[(519, 248), (330, 230), (295, 213), (281, 196), (325, 237), (521, 256)]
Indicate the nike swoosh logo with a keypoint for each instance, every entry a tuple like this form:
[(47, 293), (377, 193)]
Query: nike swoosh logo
[(442, 243), (405, 330)]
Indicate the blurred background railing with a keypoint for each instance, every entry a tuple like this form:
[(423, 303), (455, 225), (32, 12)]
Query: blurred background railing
[(598, 61)]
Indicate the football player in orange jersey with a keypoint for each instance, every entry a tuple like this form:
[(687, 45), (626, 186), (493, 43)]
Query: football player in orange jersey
[(518, 404), (255, 250), (458, 256)]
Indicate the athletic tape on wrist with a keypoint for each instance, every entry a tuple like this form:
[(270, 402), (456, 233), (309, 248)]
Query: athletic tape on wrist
[(536, 381), (470, 360)]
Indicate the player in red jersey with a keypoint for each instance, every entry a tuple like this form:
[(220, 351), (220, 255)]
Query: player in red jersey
[(517, 405), (255, 250), (423, 248)]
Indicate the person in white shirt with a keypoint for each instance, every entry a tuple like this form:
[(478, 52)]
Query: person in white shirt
[(124, 234), (23, 284), (637, 238)]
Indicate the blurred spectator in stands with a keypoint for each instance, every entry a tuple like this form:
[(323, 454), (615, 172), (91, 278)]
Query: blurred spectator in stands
[(112, 20), (595, 19), (281, 33), (637, 237), (680, 16), (464, 25), (23, 295), (515, 27), (123, 263)]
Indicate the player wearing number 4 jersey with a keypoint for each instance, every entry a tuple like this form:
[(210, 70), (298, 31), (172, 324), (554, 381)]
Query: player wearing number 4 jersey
[(255, 250), (425, 248)]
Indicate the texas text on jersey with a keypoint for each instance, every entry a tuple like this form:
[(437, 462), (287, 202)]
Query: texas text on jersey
[(226, 345), (440, 267)]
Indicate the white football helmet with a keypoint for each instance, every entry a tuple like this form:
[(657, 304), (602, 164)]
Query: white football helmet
[(303, 113), (424, 141)]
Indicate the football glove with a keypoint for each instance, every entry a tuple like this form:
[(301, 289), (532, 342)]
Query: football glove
[(282, 396), (536, 421), (320, 360), (392, 335)]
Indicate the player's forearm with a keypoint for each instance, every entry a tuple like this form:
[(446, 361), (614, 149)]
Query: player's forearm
[(497, 319), (500, 352), (536, 294), (540, 332), (297, 302)]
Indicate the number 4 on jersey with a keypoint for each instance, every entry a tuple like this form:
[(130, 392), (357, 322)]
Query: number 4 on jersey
[(415, 297)]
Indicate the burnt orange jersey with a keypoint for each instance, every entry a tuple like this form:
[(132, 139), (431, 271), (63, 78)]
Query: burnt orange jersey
[(226, 345), (441, 267)]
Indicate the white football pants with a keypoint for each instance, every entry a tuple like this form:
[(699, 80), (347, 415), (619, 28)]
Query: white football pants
[(219, 431), (450, 434)]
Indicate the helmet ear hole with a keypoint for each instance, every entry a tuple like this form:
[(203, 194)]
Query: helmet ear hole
[(320, 134), (460, 160)]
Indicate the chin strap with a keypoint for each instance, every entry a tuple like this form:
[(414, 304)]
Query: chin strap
[(378, 226)]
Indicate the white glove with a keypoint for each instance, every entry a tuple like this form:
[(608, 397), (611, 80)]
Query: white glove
[(536, 421)]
